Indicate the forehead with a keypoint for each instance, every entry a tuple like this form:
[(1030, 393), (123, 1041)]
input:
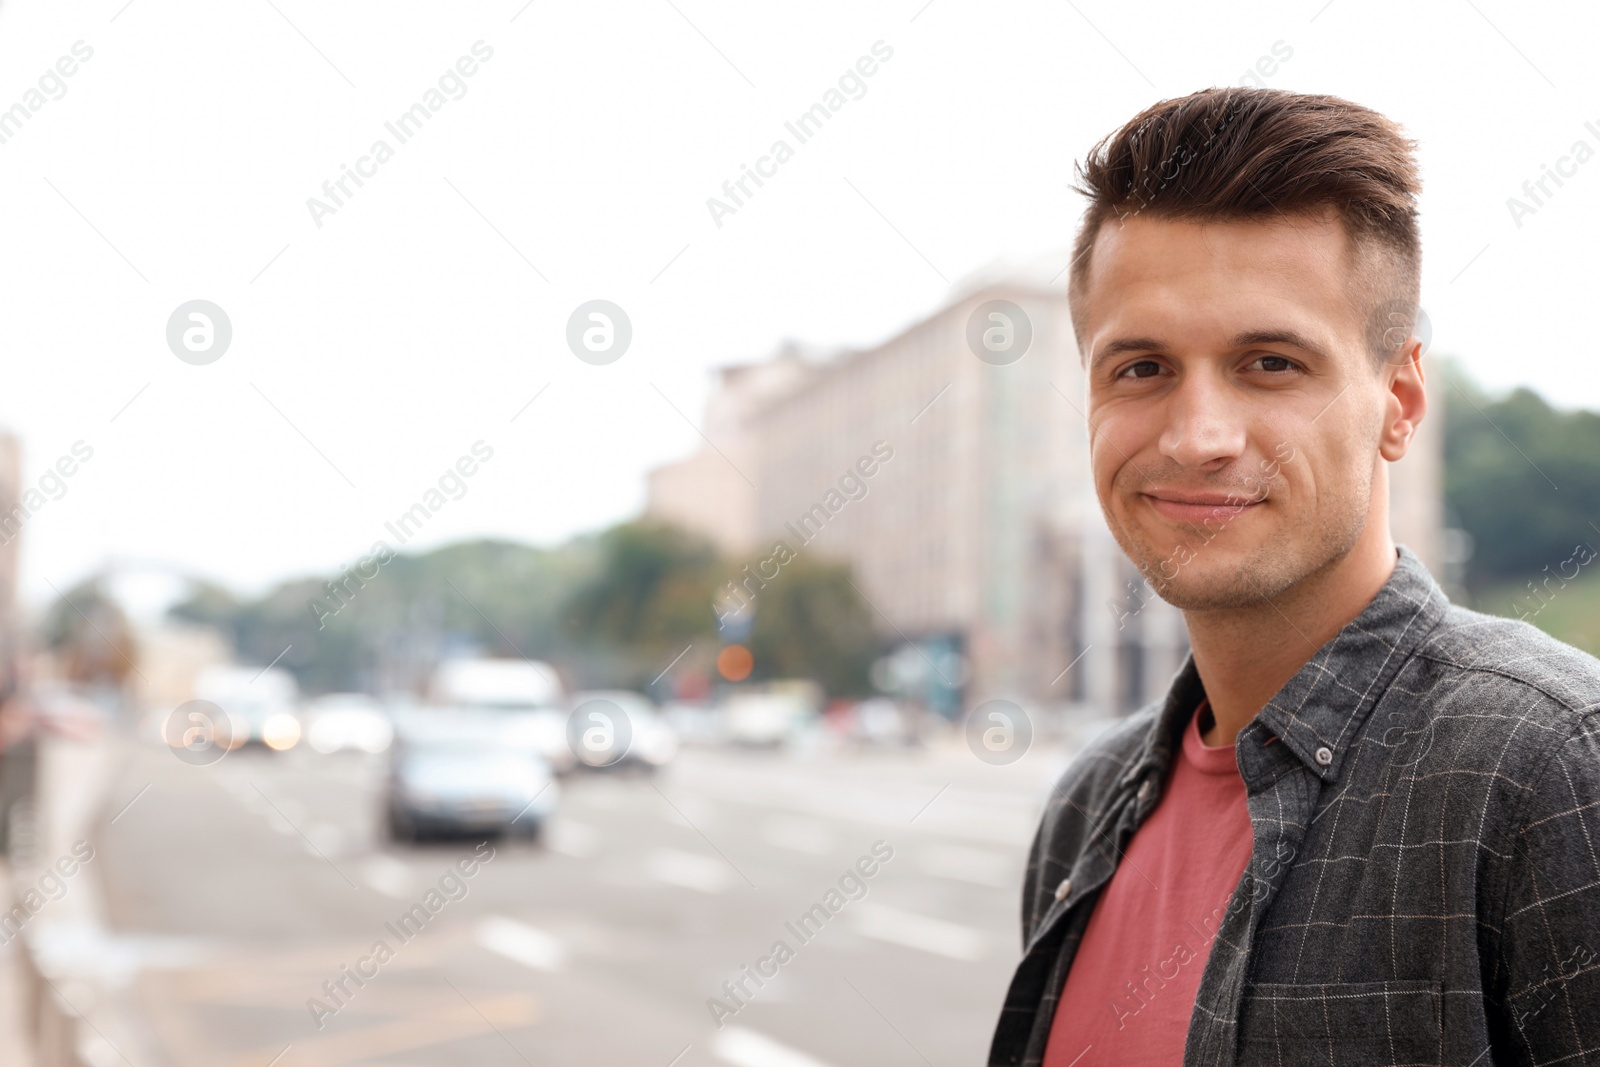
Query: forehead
[(1146, 272)]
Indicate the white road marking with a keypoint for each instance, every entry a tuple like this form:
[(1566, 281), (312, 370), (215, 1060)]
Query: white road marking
[(801, 835), (977, 866), (687, 869), (571, 838), (746, 1048), (983, 816), (388, 876), (900, 927), (528, 945)]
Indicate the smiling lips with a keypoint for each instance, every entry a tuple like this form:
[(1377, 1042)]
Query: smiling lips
[(1211, 508)]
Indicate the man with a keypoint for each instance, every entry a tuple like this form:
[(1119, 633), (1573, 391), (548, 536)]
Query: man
[(1363, 826)]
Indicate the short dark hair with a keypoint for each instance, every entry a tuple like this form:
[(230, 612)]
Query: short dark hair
[(1240, 153)]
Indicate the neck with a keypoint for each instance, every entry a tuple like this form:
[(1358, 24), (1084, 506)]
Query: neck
[(1245, 655)]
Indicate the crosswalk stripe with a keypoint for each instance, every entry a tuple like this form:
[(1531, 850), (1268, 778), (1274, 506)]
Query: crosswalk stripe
[(907, 928), (747, 1048), (527, 945)]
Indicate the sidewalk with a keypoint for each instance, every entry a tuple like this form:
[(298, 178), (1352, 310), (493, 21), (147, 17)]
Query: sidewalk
[(59, 943), (15, 1044)]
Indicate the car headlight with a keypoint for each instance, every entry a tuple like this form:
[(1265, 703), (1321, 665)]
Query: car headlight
[(281, 731)]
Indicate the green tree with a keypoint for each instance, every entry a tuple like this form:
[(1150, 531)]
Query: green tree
[(1522, 477), (648, 597), (90, 636), (810, 622), (384, 624)]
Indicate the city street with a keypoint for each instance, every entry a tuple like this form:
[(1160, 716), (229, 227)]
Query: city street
[(237, 890)]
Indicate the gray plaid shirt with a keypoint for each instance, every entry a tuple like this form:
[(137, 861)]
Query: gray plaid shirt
[(1424, 886)]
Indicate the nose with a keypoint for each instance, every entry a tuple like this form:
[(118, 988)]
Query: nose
[(1202, 429)]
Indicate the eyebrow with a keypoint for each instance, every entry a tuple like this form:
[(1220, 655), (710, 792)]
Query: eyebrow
[(1293, 338)]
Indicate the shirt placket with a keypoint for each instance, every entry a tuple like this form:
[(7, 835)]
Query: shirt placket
[(1281, 793)]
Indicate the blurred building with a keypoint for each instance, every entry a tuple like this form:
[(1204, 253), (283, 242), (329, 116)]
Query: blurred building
[(713, 491), (976, 537), (10, 512), (172, 656)]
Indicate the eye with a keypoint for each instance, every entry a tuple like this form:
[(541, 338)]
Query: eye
[(1275, 364), (1144, 368)]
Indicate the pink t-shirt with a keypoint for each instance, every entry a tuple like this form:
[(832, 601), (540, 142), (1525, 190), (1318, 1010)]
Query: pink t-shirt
[(1131, 988)]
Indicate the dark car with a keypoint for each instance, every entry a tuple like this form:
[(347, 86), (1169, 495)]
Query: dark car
[(457, 773)]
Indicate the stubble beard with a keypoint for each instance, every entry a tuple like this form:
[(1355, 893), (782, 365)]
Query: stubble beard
[(1219, 578)]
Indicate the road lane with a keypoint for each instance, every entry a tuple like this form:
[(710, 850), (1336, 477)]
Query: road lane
[(606, 945)]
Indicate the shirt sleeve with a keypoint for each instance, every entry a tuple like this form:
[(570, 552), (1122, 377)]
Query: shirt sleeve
[(1544, 987)]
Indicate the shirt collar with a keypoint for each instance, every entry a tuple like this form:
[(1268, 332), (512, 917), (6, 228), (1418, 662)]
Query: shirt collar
[(1317, 713)]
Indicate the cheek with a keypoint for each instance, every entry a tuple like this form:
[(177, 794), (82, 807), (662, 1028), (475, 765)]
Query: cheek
[(1106, 467), (1115, 444)]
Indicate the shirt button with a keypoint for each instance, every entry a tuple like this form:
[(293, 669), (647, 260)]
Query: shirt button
[(1063, 889), (1144, 790), (1324, 755)]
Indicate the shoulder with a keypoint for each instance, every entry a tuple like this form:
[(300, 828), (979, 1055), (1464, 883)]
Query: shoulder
[(1503, 690), (1508, 661)]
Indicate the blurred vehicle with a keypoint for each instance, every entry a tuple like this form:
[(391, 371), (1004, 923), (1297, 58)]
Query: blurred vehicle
[(879, 720), (496, 683), (694, 721), (766, 717), (451, 772), (619, 729), (525, 694), (260, 704), (348, 722)]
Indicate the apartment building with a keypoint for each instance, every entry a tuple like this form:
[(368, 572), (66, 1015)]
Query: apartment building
[(979, 543)]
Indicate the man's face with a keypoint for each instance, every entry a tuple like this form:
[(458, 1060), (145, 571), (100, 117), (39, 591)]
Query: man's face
[(1234, 409)]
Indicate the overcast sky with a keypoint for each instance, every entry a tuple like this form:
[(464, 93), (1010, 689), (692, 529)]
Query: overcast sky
[(375, 340)]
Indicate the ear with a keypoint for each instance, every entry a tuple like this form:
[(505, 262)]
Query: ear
[(1406, 402)]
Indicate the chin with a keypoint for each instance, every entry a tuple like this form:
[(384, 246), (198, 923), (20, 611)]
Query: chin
[(1214, 592), (1235, 569)]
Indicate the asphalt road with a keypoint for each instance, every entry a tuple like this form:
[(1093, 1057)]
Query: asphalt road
[(238, 890)]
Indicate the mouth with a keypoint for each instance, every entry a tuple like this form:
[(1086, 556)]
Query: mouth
[(1209, 509)]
